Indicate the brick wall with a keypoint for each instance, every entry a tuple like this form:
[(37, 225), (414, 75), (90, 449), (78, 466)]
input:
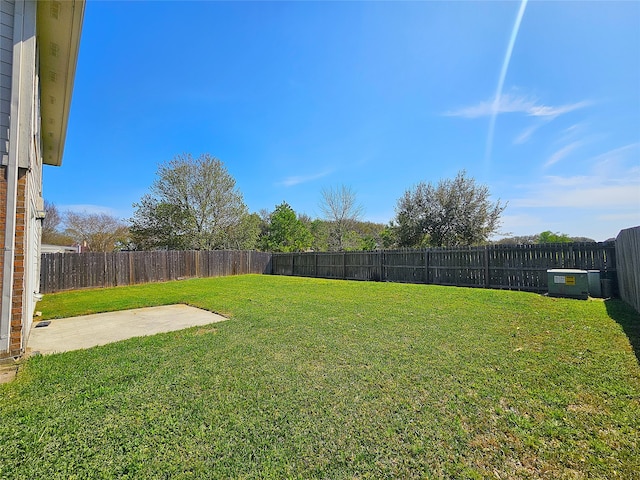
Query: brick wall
[(18, 301)]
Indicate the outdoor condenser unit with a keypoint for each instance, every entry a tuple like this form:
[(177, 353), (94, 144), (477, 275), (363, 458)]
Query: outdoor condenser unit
[(595, 288), (568, 283)]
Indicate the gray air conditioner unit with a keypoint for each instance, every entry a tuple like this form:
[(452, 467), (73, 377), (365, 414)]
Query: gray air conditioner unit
[(568, 283)]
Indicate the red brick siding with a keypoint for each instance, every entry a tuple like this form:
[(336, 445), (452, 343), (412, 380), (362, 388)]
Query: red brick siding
[(17, 307)]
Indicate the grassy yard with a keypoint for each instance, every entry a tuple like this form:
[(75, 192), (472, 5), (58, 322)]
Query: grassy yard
[(338, 380)]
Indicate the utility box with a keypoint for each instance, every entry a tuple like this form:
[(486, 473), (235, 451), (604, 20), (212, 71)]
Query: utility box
[(595, 290), (568, 283)]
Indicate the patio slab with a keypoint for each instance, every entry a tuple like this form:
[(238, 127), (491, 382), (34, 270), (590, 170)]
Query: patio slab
[(66, 334)]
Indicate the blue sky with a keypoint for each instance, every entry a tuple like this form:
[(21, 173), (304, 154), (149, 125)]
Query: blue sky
[(539, 101)]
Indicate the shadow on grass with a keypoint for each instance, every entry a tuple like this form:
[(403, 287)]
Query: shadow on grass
[(628, 319)]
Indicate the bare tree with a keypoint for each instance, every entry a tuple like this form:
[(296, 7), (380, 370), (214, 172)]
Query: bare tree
[(98, 231), (52, 225), (341, 208), (52, 219)]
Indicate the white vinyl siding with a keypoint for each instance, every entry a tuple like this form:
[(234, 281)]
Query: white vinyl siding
[(6, 54)]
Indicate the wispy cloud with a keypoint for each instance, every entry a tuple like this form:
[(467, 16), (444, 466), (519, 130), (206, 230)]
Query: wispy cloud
[(547, 111), (617, 154), (594, 196), (585, 191), (574, 132), (511, 103), (514, 222), (633, 217), (597, 202), (298, 179), (87, 208), (557, 181), (562, 153), (526, 134), (568, 134), (616, 159)]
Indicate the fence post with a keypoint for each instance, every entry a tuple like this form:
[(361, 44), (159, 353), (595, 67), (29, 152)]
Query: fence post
[(381, 264), (486, 267), (426, 265), (60, 272), (344, 265), (131, 273), (572, 257), (43, 269), (104, 271)]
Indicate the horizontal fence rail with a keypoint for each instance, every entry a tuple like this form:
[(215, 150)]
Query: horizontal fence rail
[(513, 267), (72, 271)]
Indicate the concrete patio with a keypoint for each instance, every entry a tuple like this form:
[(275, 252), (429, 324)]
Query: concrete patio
[(66, 334)]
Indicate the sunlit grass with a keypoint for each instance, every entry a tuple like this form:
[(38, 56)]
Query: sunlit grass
[(331, 379)]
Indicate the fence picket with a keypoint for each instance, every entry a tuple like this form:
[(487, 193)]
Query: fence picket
[(515, 267), (71, 271)]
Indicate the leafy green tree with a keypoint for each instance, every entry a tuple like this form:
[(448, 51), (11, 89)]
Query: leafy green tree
[(518, 240), (245, 235), (361, 235), (454, 212), (160, 225), (544, 237), (367, 243), (319, 230), (371, 235), (193, 204), (286, 233), (583, 240), (551, 237), (389, 237)]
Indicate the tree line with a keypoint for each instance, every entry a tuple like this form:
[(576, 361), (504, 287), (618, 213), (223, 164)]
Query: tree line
[(194, 204)]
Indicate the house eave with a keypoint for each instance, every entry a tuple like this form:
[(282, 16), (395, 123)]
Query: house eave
[(59, 25)]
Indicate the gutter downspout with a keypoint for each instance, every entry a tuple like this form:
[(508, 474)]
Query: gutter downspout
[(9, 254), (12, 168)]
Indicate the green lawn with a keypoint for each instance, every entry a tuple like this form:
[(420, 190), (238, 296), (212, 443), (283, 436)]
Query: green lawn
[(334, 379)]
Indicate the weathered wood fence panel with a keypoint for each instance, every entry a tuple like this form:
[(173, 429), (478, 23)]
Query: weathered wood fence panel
[(457, 266), (514, 267), (362, 266), (404, 266), (71, 271), (628, 266), (328, 265)]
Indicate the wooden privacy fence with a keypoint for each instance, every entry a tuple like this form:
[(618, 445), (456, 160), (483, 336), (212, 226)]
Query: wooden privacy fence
[(70, 271), (514, 267), (628, 266)]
